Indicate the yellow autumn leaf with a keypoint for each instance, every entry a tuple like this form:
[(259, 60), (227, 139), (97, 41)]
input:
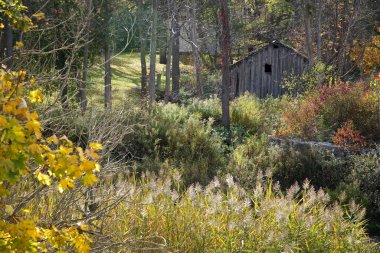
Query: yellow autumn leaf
[(53, 140), (66, 141), (36, 96), (8, 108), (32, 116), (65, 184), (77, 173), (44, 179), (3, 122), (35, 148), (80, 152), (34, 127), (89, 179), (39, 16), (96, 146), (9, 209), (65, 150), (19, 135), (97, 167), (88, 166), (19, 44), (92, 154)]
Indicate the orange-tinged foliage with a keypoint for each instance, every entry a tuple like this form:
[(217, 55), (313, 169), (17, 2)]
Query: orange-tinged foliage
[(323, 110), (348, 138), (26, 154), (367, 54)]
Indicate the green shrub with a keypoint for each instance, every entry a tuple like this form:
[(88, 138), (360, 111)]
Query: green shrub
[(232, 137), (298, 85), (194, 148), (365, 177), (209, 108), (245, 112), (252, 158), (255, 115), (319, 166), (173, 134), (288, 164), (155, 215)]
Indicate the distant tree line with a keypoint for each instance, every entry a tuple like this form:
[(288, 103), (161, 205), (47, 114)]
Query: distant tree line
[(69, 35)]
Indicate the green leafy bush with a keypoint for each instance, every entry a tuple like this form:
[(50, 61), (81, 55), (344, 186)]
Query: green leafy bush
[(298, 85), (194, 148), (319, 166), (209, 108), (252, 158), (171, 133), (255, 115), (287, 164), (365, 178)]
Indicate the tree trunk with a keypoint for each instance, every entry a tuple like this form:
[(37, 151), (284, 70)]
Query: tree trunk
[(107, 78), (344, 33), (308, 35), (195, 48), (107, 63), (163, 55), (141, 31), (83, 85), (61, 65), (225, 46), (2, 43), (144, 71), (175, 61), (168, 75), (8, 43), (153, 50), (169, 55), (159, 81), (319, 30)]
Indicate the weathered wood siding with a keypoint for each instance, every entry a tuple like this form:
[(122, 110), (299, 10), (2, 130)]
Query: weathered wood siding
[(249, 74)]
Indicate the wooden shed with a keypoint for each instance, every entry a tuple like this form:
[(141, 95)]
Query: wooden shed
[(263, 70)]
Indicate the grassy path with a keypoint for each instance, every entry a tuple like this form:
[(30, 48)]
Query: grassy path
[(126, 74)]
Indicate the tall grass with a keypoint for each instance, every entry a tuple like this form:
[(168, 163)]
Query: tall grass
[(223, 217)]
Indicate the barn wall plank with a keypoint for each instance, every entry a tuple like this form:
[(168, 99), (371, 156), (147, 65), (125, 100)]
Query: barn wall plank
[(249, 75), (275, 72)]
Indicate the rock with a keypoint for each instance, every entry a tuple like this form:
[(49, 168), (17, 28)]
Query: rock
[(336, 150)]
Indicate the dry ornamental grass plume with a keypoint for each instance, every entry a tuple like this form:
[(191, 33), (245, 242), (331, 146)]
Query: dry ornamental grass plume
[(232, 220)]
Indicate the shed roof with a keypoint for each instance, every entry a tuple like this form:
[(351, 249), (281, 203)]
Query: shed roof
[(265, 46)]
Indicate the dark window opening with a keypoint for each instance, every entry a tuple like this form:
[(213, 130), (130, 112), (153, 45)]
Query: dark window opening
[(275, 46), (268, 68)]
